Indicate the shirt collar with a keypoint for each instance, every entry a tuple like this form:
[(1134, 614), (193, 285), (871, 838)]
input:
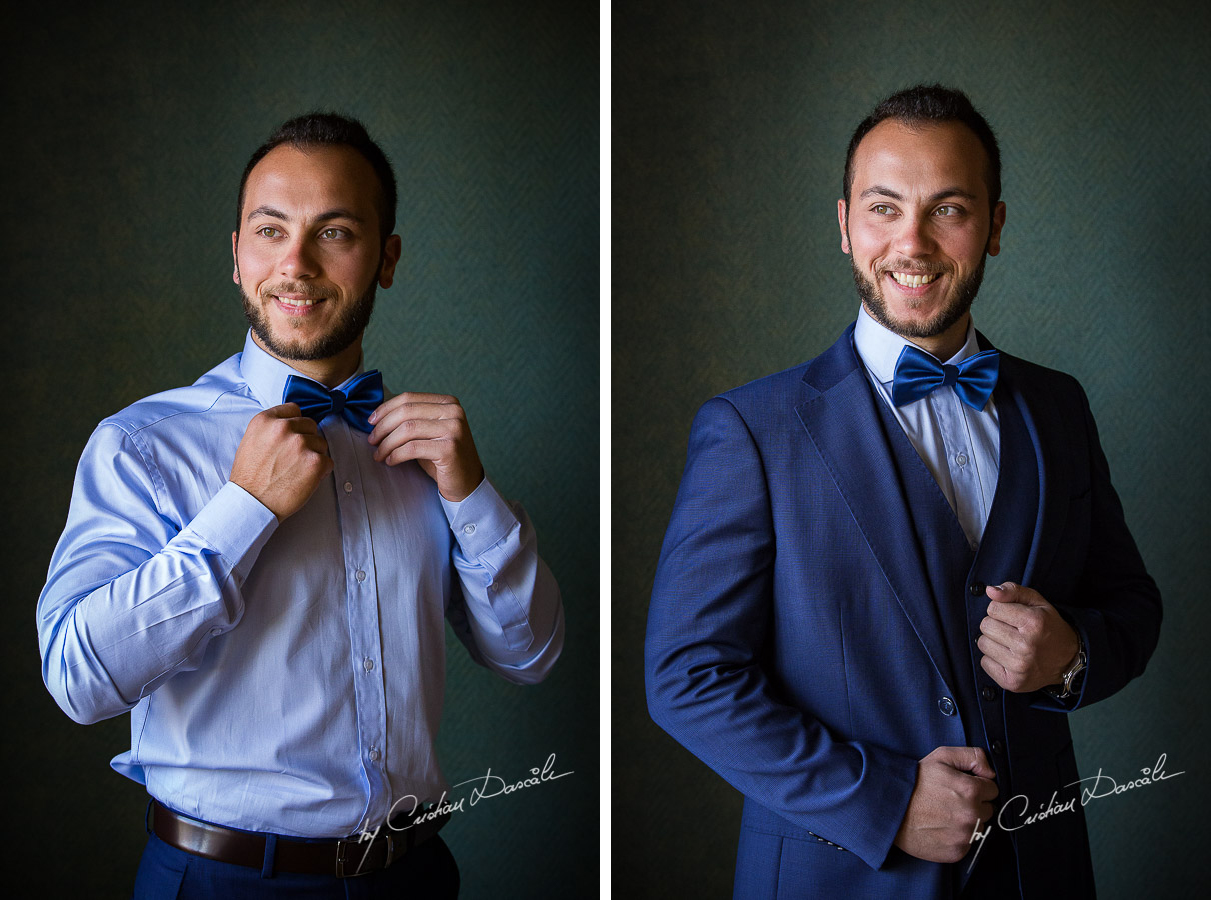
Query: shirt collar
[(880, 348), (266, 375)]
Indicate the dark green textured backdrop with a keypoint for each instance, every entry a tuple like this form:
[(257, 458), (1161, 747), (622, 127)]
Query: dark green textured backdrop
[(125, 129), (730, 126)]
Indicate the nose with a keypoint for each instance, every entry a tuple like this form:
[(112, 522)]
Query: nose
[(298, 259), (915, 237)]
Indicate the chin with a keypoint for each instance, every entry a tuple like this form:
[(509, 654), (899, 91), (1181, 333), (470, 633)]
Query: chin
[(912, 322), (284, 340)]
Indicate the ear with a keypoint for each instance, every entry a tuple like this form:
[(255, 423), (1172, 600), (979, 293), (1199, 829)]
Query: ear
[(994, 235), (392, 251), (841, 224), (235, 259)]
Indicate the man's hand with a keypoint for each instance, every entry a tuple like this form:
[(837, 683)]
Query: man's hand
[(1026, 643), (281, 459), (953, 795), (433, 430)]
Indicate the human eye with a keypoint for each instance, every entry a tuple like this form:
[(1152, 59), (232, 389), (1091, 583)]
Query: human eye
[(948, 209), (334, 234), (268, 231), (882, 209)]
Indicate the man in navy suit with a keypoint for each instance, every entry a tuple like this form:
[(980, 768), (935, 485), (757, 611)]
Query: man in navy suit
[(893, 571)]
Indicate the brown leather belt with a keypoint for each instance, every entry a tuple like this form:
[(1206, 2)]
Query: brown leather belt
[(342, 858)]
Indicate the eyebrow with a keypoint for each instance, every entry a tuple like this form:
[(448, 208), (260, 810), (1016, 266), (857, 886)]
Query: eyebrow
[(879, 190), (329, 215)]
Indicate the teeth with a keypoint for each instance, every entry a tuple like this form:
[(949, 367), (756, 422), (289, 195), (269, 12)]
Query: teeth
[(912, 280), (306, 301)]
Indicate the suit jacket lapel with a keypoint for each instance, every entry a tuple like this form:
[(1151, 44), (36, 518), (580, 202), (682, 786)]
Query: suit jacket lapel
[(1045, 426), (843, 424)]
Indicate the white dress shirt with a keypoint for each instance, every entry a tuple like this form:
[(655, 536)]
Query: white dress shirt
[(281, 677), (961, 447)]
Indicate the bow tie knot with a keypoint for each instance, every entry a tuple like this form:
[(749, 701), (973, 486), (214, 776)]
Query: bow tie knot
[(918, 374), (355, 403)]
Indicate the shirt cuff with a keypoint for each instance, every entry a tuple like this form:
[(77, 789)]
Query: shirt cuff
[(236, 524), (480, 520)]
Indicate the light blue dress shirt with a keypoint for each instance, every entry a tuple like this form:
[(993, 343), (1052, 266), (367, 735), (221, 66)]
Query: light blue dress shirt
[(961, 447), (280, 677)]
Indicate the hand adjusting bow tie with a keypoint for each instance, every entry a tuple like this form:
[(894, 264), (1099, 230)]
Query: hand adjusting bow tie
[(918, 374), (361, 397)]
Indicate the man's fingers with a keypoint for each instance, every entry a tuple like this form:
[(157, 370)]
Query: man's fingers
[(281, 459), (298, 423), (996, 672), (1006, 657), (965, 759), (986, 792), (1011, 612), (282, 411), (1009, 592), (408, 398), (417, 449), (419, 397), (442, 434), (317, 443), (980, 767), (1001, 632), (418, 416), (407, 423)]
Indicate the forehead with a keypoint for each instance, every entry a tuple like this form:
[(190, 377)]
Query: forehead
[(307, 181), (928, 157)]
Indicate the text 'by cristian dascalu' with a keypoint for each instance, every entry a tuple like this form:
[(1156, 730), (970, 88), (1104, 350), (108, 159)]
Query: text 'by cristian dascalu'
[(485, 787), (1015, 814)]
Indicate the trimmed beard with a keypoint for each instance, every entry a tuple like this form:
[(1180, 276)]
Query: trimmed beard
[(964, 295), (348, 326)]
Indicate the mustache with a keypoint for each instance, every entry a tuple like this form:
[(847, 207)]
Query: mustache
[(914, 267)]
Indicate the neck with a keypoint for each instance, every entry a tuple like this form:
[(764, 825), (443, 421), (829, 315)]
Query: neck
[(945, 345), (329, 371)]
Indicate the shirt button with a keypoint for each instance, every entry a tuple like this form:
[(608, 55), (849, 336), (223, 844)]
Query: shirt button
[(988, 693), (947, 706), (998, 747), (359, 575), (368, 664), (961, 459), (977, 588), (469, 528), (348, 487), (215, 632), (374, 755)]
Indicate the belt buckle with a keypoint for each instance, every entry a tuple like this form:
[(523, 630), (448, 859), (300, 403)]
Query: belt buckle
[(342, 850)]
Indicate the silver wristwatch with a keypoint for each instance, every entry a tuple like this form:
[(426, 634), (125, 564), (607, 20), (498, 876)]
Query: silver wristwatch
[(1066, 688)]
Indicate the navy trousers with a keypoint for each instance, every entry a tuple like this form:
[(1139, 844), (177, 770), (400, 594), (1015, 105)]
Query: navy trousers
[(166, 873)]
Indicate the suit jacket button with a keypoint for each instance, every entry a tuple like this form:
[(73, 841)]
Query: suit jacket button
[(998, 747), (947, 706), (977, 588), (988, 693)]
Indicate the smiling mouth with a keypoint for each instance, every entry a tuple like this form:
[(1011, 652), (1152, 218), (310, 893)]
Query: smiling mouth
[(297, 302), (912, 280)]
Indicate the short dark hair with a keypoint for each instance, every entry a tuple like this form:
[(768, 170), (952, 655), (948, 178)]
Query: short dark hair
[(327, 129), (930, 103)]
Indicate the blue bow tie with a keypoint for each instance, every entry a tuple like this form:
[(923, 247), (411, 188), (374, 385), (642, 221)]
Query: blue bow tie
[(361, 397), (918, 374)]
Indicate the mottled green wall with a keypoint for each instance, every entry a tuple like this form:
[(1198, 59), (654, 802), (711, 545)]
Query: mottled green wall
[(126, 126), (730, 126)]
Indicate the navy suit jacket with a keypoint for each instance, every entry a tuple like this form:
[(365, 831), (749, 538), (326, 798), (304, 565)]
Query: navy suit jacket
[(795, 643)]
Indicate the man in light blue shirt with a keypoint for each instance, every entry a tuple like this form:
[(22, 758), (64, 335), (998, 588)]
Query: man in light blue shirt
[(259, 566)]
